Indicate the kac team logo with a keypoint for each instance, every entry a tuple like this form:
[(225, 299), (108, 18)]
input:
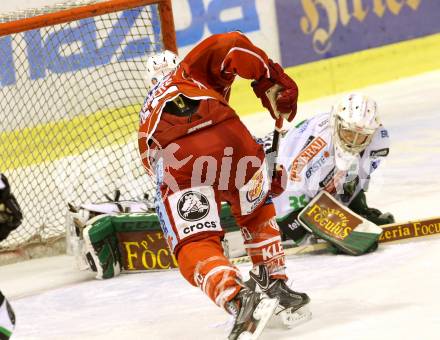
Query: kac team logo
[(256, 189), (193, 206)]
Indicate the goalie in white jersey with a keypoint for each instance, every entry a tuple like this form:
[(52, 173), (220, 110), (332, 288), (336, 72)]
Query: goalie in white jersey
[(335, 152)]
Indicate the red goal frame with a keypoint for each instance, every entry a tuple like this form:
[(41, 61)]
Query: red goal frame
[(110, 6)]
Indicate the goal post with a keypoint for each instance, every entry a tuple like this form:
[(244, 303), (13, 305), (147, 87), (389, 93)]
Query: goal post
[(72, 82), (94, 9)]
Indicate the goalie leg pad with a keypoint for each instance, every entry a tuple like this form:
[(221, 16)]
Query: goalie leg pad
[(101, 248)]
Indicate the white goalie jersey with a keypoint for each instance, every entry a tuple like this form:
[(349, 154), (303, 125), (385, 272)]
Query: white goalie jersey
[(307, 153)]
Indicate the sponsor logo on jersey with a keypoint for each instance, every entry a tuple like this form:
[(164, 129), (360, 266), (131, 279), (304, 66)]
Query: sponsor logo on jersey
[(199, 227), (193, 206), (323, 123), (327, 178), (293, 225), (303, 126), (194, 211), (305, 156), (272, 251), (256, 187), (332, 180), (380, 153), (254, 191), (384, 134), (308, 141), (316, 165)]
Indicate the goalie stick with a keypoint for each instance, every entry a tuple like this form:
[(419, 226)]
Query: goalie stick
[(392, 233)]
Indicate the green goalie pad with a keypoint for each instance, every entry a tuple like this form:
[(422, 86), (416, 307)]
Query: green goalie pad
[(348, 232), (130, 242), (101, 247), (125, 242)]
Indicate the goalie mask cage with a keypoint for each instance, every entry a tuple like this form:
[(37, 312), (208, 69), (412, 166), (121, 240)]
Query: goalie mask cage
[(72, 82)]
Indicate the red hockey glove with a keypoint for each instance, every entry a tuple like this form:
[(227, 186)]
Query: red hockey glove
[(278, 94), (279, 181)]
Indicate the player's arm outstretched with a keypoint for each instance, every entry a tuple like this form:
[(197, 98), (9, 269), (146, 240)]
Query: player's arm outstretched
[(218, 59), (10, 218)]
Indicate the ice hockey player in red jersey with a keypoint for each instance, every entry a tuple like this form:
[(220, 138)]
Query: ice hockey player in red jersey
[(201, 154), (10, 218)]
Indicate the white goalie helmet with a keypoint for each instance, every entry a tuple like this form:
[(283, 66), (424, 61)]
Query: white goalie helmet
[(159, 65), (354, 121)]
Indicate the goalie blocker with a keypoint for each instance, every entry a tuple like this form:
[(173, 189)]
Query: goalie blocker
[(348, 232)]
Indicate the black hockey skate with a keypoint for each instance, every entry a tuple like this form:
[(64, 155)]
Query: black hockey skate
[(252, 311), (292, 309)]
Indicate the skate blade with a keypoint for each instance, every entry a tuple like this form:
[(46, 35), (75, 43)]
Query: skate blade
[(262, 315), (288, 319)]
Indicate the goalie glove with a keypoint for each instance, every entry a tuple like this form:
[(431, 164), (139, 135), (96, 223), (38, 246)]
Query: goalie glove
[(330, 220), (359, 206), (10, 212), (291, 228), (278, 94)]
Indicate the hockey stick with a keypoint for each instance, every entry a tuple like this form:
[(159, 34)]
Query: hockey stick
[(392, 233), (275, 143)]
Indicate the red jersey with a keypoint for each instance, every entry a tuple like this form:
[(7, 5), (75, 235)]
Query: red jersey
[(205, 74)]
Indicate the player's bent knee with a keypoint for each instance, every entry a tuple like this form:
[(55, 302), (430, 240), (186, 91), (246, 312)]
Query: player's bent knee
[(192, 254), (204, 265)]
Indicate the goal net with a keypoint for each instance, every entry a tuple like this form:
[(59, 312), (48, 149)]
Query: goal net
[(72, 83)]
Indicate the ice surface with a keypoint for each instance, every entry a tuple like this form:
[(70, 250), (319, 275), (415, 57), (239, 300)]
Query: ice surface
[(390, 294)]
